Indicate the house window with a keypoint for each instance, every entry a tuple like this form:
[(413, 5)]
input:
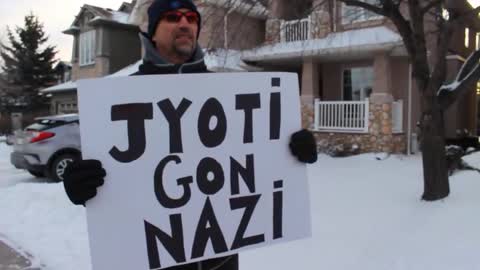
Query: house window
[(467, 37), (87, 48), (352, 14), (477, 41), (357, 83)]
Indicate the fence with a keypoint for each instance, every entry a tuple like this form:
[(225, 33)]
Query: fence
[(295, 30), (344, 116)]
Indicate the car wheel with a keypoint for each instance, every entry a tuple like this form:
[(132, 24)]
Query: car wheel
[(59, 165), (36, 173)]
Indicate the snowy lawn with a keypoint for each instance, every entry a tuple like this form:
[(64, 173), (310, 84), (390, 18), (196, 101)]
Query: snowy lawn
[(366, 214)]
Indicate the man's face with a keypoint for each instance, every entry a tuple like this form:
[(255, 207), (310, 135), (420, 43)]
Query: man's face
[(176, 39)]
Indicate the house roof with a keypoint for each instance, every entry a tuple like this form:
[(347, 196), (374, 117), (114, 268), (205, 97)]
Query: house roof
[(127, 7), (339, 44), (64, 64), (127, 71), (218, 60), (101, 15), (222, 60), (67, 86)]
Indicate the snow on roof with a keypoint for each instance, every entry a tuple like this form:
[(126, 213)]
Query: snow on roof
[(250, 8), (73, 85), (63, 117), (115, 16), (366, 39), (119, 16), (127, 71), (100, 14), (219, 60), (60, 87), (224, 60)]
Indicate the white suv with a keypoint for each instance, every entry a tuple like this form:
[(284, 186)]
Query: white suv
[(48, 146)]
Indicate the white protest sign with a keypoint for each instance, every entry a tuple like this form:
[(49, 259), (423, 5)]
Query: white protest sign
[(198, 167)]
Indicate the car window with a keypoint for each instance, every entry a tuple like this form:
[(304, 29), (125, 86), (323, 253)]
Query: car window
[(44, 124)]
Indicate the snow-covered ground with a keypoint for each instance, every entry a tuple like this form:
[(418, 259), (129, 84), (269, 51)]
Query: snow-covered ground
[(366, 214)]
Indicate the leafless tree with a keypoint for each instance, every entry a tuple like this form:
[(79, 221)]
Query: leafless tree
[(410, 18), (414, 20)]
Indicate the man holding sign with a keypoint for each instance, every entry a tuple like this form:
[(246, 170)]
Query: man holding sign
[(171, 48)]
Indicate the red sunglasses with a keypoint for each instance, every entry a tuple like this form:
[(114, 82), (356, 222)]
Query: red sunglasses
[(176, 16)]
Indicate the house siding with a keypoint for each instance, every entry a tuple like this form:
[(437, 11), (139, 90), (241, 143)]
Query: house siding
[(391, 72), (69, 97), (123, 48), (332, 72), (243, 32), (212, 31), (400, 84), (116, 46)]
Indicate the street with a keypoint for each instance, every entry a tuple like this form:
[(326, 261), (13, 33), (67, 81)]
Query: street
[(10, 259), (10, 256)]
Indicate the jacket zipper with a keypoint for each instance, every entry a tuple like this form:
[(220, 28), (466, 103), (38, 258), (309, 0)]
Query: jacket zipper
[(180, 70)]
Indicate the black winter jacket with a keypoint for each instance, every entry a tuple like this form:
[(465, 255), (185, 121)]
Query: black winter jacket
[(154, 64)]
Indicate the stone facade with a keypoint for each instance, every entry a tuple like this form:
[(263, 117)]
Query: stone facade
[(272, 33), (308, 115), (319, 24), (380, 136), (364, 142)]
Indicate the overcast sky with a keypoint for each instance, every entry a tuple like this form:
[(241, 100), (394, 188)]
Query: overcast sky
[(57, 15)]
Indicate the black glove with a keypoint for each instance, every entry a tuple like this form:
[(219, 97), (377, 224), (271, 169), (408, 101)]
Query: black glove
[(81, 180), (303, 146)]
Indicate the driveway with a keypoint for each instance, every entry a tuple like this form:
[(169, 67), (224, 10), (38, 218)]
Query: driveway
[(10, 259)]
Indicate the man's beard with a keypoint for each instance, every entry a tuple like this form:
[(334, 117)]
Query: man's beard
[(184, 50)]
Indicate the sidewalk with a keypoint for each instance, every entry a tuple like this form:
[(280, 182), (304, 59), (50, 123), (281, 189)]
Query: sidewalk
[(12, 260)]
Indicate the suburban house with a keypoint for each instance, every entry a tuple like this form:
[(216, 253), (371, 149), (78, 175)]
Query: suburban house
[(104, 42), (354, 72), (63, 71)]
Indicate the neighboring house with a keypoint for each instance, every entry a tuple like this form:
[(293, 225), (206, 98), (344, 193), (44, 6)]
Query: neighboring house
[(63, 71), (103, 43), (354, 72), (106, 42)]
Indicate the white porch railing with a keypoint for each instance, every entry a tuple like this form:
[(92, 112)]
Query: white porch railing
[(295, 30), (397, 116), (341, 116)]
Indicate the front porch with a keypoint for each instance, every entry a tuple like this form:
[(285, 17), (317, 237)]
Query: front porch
[(354, 84), (357, 106)]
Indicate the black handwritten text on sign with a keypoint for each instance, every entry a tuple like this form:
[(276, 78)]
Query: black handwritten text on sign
[(207, 228)]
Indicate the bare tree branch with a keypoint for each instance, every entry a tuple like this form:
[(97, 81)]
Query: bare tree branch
[(370, 7), (467, 77), (458, 15), (440, 65), (430, 5)]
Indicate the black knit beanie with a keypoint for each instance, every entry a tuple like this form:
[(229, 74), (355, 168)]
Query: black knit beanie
[(158, 7)]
